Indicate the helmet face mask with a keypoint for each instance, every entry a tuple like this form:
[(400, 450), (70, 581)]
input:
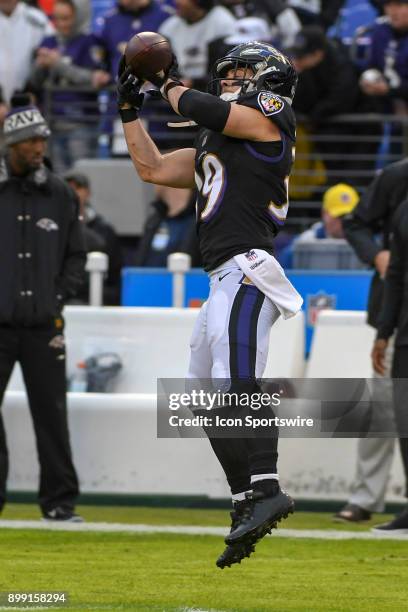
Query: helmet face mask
[(271, 70)]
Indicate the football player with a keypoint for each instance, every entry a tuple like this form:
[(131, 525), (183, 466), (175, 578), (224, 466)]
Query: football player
[(240, 165)]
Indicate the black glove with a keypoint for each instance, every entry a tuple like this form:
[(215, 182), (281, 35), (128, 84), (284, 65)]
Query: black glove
[(128, 93), (172, 73)]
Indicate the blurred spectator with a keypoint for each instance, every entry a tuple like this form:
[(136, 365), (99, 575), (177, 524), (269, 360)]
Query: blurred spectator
[(372, 218), (246, 29), (281, 21), (99, 236), (167, 228), (197, 23), (328, 86), (68, 59), (113, 31), (394, 318), (128, 18), (328, 82), (22, 28), (387, 76), (353, 17), (319, 12), (338, 201)]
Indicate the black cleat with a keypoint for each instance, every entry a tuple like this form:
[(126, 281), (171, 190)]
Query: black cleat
[(236, 552), (260, 517)]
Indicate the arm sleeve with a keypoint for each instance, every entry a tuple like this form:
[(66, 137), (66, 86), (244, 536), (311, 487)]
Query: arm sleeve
[(72, 277), (368, 217), (393, 286)]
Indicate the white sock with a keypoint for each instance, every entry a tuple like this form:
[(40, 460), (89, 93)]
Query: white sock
[(238, 497), (258, 477)]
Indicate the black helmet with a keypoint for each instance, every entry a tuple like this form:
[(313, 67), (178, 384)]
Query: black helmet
[(273, 71)]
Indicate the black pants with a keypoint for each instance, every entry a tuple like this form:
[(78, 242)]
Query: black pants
[(400, 370), (41, 354)]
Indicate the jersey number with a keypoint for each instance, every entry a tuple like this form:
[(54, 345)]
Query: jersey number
[(213, 186)]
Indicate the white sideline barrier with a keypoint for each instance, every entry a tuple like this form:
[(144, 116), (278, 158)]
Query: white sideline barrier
[(114, 435), (154, 342), (341, 346), (116, 450)]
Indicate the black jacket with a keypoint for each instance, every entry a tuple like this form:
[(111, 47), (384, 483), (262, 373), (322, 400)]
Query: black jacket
[(373, 215), (159, 214), (42, 258), (328, 89), (394, 312)]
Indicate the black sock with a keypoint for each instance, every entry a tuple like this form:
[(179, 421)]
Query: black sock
[(269, 487)]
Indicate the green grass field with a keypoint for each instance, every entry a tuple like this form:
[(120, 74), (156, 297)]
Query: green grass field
[(163, 572)]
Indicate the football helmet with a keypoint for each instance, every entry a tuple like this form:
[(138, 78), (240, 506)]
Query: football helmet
[(272, 71)]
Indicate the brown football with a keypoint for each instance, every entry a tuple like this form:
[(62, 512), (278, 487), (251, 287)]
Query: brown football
[(148, 53)]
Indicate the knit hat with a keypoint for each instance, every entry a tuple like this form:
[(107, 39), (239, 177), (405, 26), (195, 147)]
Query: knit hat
[(340, 199), (23, 123)]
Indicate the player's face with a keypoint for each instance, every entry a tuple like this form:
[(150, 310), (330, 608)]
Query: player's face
[(29, 154), (233, 79), (397, 13)]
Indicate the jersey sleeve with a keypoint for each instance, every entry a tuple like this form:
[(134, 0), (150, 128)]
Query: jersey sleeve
[(277, 109)]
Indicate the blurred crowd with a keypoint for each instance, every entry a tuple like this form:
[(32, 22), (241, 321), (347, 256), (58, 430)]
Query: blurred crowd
[(352, 59)]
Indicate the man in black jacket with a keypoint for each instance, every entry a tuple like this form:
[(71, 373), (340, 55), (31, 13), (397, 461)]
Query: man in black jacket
[(394, 316), (373, 217), (99, 236), (41, 265)]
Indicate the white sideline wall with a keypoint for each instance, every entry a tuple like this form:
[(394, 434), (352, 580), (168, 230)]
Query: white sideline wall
[(116, 450), (341, 345), (114, 435), (154, 343)]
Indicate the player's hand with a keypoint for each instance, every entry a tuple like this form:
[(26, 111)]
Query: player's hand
[(381, 262), (128, 88), (378, 356), (172, 73)]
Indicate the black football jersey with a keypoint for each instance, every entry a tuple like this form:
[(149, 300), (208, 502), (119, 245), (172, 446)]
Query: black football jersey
[(243, 185)]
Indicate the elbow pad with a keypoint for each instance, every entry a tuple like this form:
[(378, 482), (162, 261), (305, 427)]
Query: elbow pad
[(206, 110)]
